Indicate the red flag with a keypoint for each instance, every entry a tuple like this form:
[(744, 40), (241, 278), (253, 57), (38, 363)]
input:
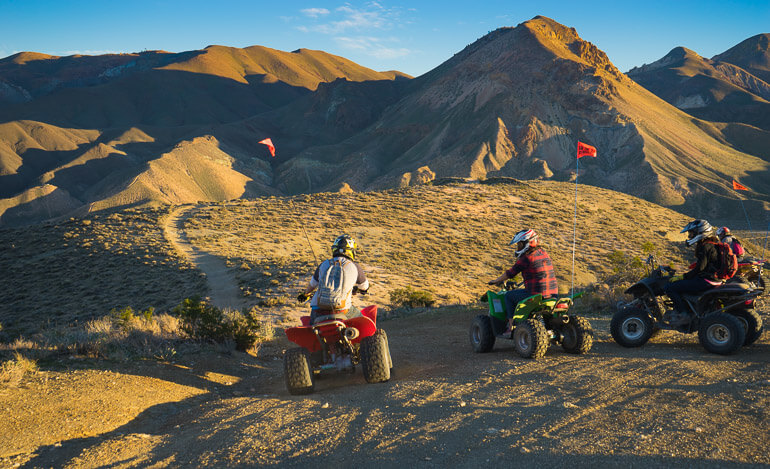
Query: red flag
[(585, 150), (739, 187), (269, 144)]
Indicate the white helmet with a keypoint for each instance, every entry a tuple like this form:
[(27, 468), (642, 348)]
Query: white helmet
[(526, 237), (697, 230)]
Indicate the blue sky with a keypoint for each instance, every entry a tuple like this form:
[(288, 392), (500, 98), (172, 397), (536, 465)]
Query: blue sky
[(412, 37)]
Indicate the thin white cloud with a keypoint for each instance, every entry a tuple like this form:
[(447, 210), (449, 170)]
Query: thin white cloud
[(372, 16), (372, 46), (315, 12), (89, 52), (357, 28)]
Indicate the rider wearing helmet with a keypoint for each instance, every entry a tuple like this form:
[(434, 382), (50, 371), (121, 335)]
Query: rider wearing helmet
[(726, 237), (702, 276), (337, 277), (535, 266)]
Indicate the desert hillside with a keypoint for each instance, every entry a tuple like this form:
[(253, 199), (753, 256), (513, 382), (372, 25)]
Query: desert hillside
[(447, 239), (84, 134), (85, 381)]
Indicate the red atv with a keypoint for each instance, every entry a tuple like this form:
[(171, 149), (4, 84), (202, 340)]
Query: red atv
[(336, 345)]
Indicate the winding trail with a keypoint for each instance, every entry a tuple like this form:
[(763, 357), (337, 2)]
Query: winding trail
[(223, 286)]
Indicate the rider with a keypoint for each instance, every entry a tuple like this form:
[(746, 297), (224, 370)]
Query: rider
[(336, 276), (702, 276), (535, 266), (726, 237)]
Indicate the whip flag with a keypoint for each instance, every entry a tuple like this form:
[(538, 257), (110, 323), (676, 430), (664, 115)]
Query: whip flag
[(270, 145), (584, 149), (739, 187)]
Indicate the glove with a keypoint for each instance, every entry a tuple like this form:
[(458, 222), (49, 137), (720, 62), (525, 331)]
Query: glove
[(492, 282), (676, 278), (302, 297)]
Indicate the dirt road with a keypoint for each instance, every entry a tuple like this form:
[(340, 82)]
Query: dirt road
[(223, 286), (666, 404)]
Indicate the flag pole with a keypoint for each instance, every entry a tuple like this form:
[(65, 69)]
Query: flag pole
[(574, 227), (747, 215)]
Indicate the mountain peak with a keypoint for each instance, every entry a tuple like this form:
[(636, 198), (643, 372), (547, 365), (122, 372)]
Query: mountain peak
[(752, 55), (675, 58)]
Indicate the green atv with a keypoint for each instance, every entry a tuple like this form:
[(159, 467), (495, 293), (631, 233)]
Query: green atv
[(537, 323)]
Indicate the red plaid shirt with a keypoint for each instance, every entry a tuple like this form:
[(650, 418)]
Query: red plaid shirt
[(537, 269)]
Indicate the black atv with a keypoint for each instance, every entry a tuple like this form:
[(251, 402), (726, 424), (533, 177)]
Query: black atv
[(724, 317)]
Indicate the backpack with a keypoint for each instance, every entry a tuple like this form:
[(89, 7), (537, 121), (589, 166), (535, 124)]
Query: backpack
[(332, 292), (737, 247), (728, 261)]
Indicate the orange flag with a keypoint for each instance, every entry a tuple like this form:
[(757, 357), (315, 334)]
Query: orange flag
[(739, 187), (585, 150), (270, 145)]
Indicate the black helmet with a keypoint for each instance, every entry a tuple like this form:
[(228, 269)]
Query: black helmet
[(345, 245), (697, 230)]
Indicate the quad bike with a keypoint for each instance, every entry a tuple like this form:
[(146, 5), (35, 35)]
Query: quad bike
[(537, 321), (750, 268), (724, 317), (336, 345)]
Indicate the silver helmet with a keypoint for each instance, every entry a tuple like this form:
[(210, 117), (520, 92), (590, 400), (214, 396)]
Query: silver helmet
[(697, 230), (522, 240)]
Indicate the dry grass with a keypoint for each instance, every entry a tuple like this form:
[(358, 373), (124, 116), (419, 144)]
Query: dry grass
[(80, 269), (123, 335), (444, 240), (13, 371)]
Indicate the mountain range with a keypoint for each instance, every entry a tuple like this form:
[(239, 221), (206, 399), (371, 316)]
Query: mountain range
[(82, 133)]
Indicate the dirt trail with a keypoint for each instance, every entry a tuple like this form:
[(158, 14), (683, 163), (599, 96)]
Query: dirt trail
[(667, 404), (223, 287)]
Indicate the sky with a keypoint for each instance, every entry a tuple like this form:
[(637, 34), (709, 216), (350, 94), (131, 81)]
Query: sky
[(412, 37)]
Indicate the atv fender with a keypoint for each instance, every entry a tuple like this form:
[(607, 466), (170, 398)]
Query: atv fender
[(640, 288)]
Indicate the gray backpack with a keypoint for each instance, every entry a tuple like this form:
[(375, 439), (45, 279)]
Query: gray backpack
[(332, 291)]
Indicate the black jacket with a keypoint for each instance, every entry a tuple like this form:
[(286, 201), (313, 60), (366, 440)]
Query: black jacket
[(707, 261)]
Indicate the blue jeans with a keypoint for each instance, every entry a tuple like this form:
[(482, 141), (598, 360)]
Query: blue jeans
[(512, 298), (675, 290)]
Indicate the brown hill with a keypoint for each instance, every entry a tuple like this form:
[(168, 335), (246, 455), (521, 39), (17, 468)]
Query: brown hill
[(217, 84), (140, 111), (718, 90), (515, 103), (752, 55)]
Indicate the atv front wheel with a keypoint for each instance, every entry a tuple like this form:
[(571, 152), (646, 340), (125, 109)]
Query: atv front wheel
[(578, 336), (721, 333), (482, 335), (375, 359), (530, 339), (296, 370), (752, 323), (631, 327)]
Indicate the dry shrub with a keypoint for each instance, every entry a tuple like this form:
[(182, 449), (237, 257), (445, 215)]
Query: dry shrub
[(13, 371)]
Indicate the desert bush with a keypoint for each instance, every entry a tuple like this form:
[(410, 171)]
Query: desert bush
[(626, 269), (206, 322), (13, 371), (411, 298)]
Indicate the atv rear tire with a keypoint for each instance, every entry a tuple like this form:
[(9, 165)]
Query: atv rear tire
[(375, 359), (631, 327), (387, 349), (530, 339), (482, 335), (752, 323), (578, 336), (297, 371), (721, 333)]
